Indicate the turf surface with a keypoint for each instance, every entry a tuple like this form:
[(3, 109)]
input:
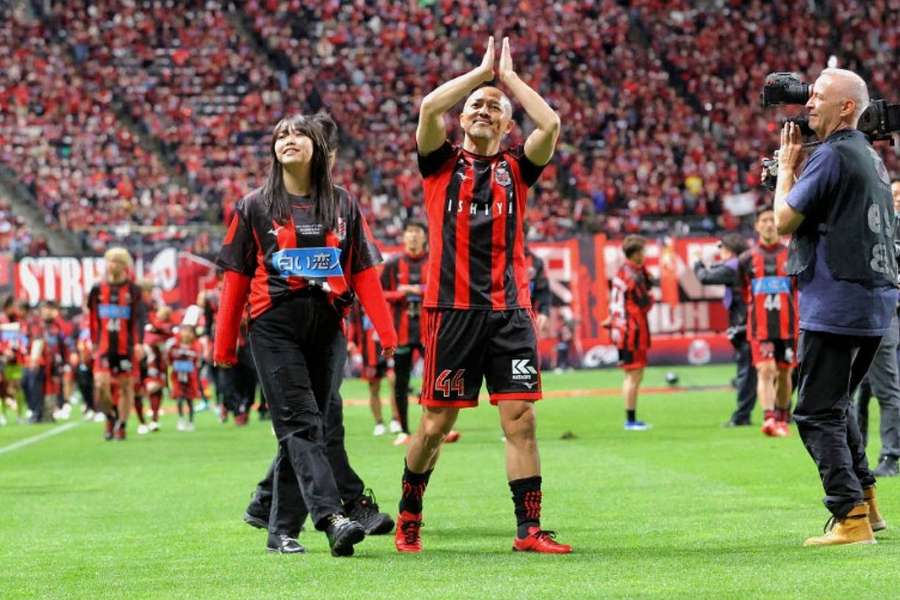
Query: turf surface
[(686, 509)]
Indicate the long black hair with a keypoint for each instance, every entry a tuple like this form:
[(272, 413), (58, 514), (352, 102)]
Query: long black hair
[(275, 195)]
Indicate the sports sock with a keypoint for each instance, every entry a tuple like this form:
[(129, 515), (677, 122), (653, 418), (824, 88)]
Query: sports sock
[(769, 414), (783, 415), (139, 409), (190, 404), (526, 495), (414, 485), (631, 415), (155, 401)]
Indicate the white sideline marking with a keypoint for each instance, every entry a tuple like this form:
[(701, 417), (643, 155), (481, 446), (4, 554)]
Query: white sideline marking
[(37, 438)]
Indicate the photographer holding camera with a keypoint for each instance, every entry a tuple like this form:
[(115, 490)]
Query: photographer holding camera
[(840, 212)]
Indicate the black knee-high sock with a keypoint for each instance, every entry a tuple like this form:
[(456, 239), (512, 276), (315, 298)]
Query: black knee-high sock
[(190, 404), (414, 485), (526, 495), (180, 408)]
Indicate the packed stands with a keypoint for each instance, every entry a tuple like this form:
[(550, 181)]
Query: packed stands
[(157, 114)]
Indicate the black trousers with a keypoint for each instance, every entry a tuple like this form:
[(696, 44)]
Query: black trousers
[(85, 380), (349, 484), (295, 345), (831, 367), (33, 388), (746, 380), (403, 363)]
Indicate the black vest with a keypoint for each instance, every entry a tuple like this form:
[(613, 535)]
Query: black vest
[(858, 223)]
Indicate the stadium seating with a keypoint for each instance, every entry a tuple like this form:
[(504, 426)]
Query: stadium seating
[(167, 116)]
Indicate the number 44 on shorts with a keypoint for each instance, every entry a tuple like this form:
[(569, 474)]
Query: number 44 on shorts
[(450, 381)]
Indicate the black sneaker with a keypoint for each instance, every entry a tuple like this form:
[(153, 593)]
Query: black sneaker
[(256, 515), (284, 544), (886, 468), (343, 534), (364, 510)]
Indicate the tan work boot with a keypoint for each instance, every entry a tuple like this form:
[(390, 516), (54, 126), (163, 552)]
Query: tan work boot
[(852, 529), (875, 519)]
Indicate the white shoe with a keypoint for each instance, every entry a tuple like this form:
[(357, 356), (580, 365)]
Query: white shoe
[(379, 429), (402, 439), (154, 426), (88, 414), (181, 425), (143, 429), (2, 420), (202, 406), (394, 426), (189, 426), (99, 417)]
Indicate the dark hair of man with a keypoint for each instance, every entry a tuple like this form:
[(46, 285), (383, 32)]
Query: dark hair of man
[(275, 196), (761, 211), (633, 244), (735, 242), (416, 223)]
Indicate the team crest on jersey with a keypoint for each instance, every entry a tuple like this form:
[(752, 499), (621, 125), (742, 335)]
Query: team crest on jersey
[(501, 175)]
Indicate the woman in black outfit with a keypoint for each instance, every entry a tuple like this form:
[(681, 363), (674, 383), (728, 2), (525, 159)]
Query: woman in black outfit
[(296, 251)]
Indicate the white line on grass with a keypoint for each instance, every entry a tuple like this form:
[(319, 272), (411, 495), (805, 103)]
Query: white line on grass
[(37, 438)]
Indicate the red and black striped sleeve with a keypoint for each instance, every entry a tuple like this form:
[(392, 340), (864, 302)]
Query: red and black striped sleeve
[(238, 252), (433, 162), (530, 172)]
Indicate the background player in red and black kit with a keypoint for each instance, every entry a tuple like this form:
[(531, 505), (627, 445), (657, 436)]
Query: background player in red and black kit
[(771, 297), (629, 303), (114, 312), (185, 357), (477, 307), (404, 281), (157, 333), (297, 249), (363, 337)]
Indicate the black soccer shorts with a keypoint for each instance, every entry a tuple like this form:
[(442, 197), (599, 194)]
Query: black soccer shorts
[(462, 347)]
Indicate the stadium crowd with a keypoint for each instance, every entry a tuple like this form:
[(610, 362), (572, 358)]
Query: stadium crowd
[(163, 122)]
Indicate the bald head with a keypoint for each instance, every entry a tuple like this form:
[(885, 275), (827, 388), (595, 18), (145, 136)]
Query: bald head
[(849, 86), (838, 99)]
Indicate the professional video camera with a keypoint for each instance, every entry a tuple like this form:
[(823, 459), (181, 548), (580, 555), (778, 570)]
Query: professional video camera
[(879, 121)]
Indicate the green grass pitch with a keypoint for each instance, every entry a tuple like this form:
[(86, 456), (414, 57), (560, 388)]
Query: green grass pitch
[(688, 509)]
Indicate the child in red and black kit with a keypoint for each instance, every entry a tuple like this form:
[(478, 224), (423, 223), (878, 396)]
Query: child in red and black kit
[(184, 358)]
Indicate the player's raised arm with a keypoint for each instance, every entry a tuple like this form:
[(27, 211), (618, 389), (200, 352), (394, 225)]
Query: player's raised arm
[(540, 144), (431, 134)]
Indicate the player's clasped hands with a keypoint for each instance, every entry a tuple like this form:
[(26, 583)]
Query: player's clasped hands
[(505, 67)]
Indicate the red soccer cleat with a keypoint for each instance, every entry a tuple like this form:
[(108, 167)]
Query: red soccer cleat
[(539, 540), (406, 537), (770, 427), (452, 437), (783, 429), (119, 432), (240, 420)]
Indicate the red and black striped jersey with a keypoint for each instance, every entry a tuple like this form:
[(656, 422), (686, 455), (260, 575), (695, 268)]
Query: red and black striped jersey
[(405, 269), (282, 258), (629, 303), (770, 293), (361, 332), (476, 210), (114, 313), (184, 360)]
